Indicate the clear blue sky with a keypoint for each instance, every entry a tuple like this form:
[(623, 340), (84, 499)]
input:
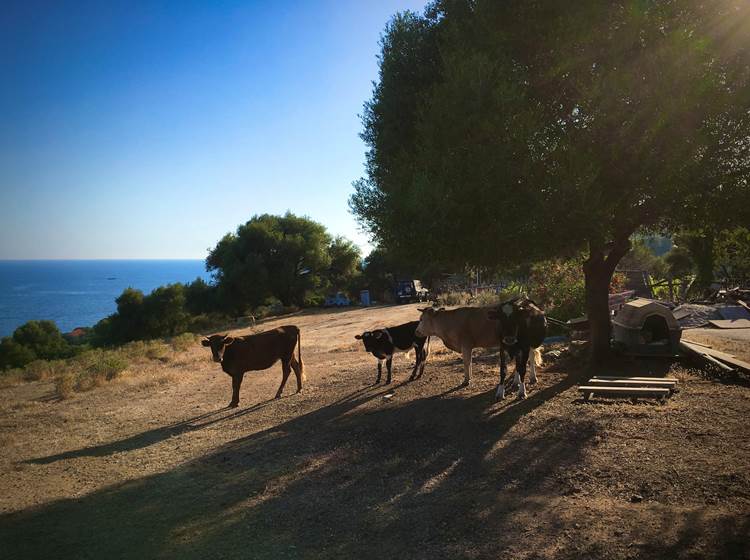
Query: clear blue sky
[(151, 129)]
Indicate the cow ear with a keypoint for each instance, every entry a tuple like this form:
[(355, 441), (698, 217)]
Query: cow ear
[(228, 340), (205, 342), (358, 336), (423, 309)]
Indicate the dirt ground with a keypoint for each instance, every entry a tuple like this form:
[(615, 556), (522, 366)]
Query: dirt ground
[(154, 466)]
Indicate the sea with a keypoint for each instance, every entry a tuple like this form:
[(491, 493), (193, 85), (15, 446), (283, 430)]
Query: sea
[(79, 293)]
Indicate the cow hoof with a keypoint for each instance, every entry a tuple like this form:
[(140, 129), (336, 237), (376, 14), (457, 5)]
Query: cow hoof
[(233, 405), (500, 394), (278, 396), (522, 391)]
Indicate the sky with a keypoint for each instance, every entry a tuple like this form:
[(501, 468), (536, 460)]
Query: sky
[(151, 129)]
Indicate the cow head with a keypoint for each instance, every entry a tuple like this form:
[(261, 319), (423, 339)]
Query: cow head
[(371, 339), (426, 326), (509, 315), (218, 344)]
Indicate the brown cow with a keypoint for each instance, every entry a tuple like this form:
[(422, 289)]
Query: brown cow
[(255, 352), (464, 329)]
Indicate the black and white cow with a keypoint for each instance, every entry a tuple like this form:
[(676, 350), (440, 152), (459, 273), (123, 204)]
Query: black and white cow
[(522, 327), (384, 343)]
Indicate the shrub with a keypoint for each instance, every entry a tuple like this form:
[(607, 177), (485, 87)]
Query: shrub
[(39, 370), (14, 355), (558, 287), (453, 298), (65, 384), (183, 342)]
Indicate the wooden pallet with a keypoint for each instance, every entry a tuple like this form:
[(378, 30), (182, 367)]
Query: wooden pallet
[(616, 386)]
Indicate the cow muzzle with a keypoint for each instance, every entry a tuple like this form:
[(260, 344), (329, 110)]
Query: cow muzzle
[(509, 340)]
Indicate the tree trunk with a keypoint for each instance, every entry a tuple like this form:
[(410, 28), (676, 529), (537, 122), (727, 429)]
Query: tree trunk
[(598, 270)]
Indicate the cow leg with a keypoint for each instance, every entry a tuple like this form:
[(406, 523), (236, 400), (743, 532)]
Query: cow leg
[(417, 361), (467, 366), (286, 369), (521, 358), (380, 370), (424, 361), (532, 367), (297, 373), (236, 382), (388, 364), (500, 392)]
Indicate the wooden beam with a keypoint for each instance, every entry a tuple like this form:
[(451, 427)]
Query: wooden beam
[(632, 383), (722, 356), (670, 379), (589, 390), (697, 343)]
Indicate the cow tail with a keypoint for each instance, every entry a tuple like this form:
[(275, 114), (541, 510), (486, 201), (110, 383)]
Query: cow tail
[(299, 356), (538, 357)]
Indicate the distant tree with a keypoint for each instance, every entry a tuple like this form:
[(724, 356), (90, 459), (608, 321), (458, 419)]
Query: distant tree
[(504, 132), (280, 256), (128, 323), (346, 264), (201, 297), (732, 255), (43, 338), (642, 257), (164, 312), (14, 355)]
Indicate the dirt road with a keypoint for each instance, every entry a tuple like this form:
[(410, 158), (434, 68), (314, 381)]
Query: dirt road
[(153, 466)]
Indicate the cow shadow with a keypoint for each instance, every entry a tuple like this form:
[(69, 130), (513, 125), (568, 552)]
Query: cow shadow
[(151, 437)]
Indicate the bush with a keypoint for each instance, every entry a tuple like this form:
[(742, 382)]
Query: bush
[(65, 384), (559, 288), (183, 342), (39, 370), (14, 355), (105, 363), (449, 299)]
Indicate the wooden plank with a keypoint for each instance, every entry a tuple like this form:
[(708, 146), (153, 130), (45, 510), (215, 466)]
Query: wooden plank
[(670, 379), (731, 323), (632, 383), (624, 390), (716, 362), (658, 392), (723, 356), (697, 343)]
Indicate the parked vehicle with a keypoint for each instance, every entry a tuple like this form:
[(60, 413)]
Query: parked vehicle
[(408, 291), (339, 299)]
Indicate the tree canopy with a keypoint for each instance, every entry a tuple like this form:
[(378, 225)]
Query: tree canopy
[(504, 132), (285, 257)]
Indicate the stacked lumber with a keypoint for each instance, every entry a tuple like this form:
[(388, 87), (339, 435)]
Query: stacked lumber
[(629, 387)]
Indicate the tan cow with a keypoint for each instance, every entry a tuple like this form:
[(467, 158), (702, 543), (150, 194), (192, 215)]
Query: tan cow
[(464, 329)]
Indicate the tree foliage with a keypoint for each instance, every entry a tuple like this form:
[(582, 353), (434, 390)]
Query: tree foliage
[(286, 257), (504, 132), (31, 341)]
